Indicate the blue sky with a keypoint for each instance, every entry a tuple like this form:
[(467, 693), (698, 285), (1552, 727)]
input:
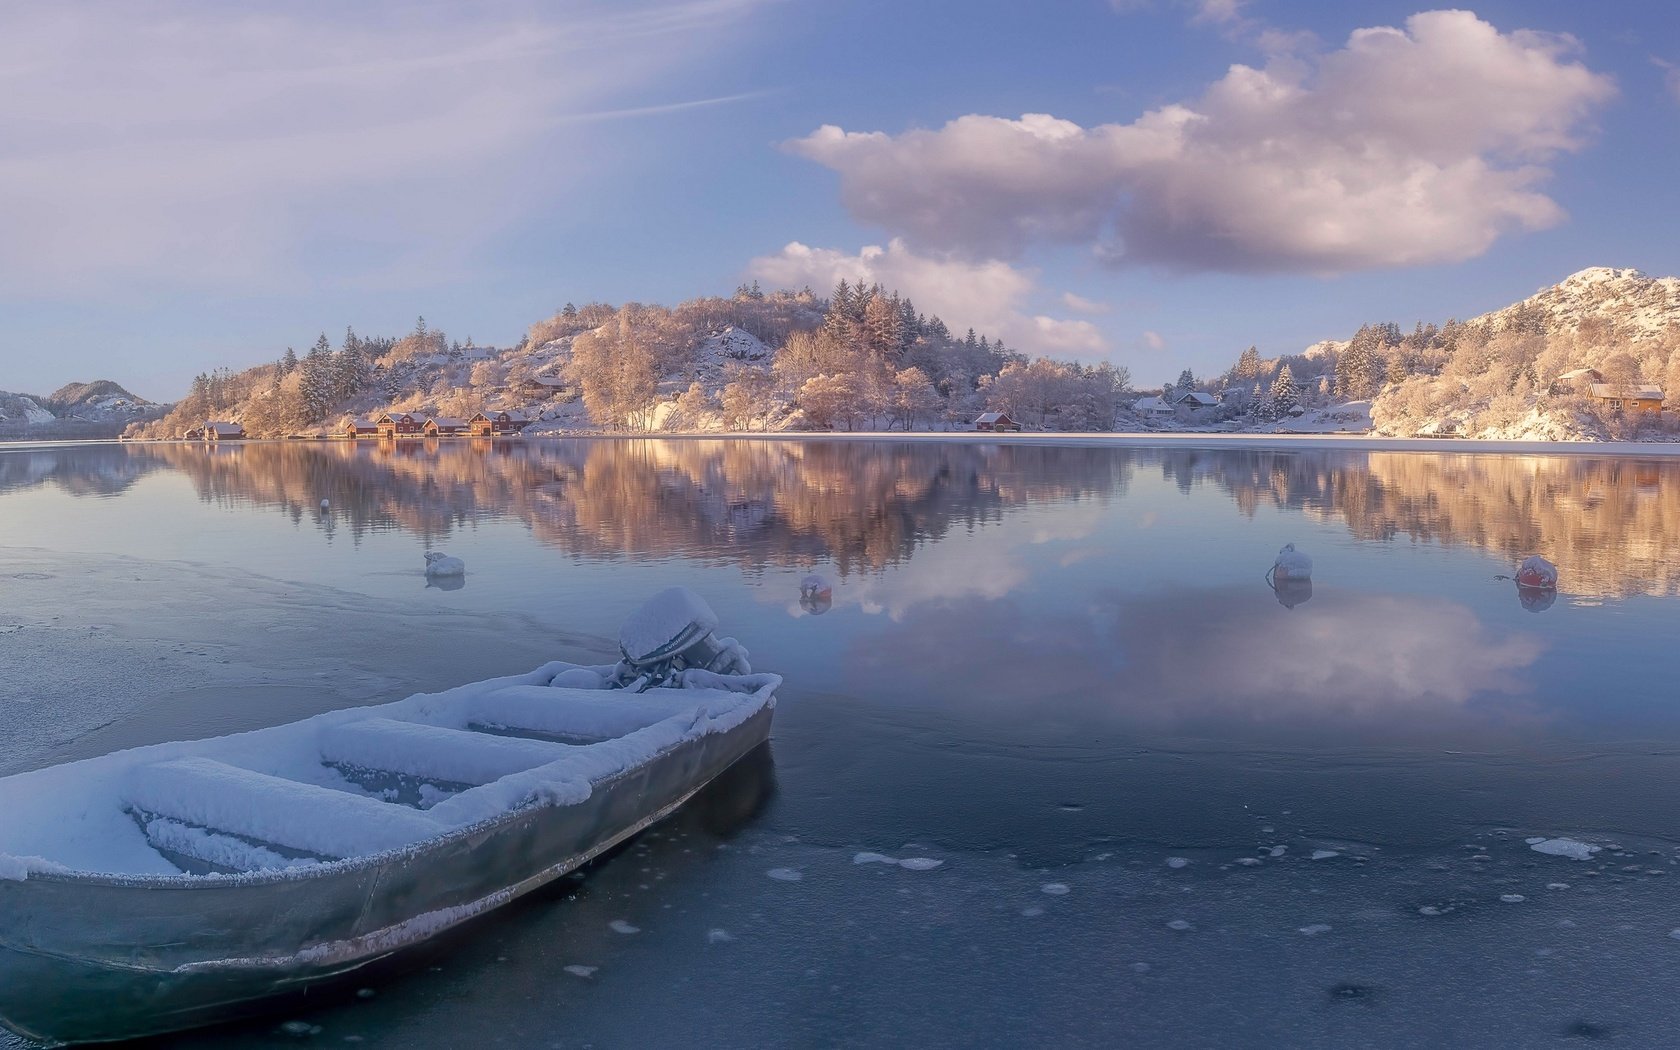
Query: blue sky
[(194, 185)]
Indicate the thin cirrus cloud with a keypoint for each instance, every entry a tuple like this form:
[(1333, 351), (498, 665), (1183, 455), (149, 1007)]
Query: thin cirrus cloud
[(988, 295), (199, 144), (1407, 146)]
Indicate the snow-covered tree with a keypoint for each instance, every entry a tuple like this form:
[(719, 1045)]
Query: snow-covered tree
[(1283, 396)]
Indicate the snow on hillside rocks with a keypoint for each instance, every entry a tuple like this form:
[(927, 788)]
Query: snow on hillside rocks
[(22, 410), (1640, 306), (732, 345), (92, 400)]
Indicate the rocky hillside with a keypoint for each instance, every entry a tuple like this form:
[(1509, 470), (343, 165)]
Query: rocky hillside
[(1624, 306)]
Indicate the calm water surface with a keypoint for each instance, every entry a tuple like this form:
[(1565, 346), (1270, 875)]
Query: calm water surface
[(1047, 666)]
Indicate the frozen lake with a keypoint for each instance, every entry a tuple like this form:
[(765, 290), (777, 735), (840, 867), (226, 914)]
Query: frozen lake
[(1167, 805)]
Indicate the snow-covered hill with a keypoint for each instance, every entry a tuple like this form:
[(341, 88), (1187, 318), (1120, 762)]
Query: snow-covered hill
[(79, 410), (1631, 304), (21, 410)]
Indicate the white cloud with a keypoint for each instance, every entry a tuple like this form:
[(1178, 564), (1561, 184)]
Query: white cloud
[(989, 296), (1154, 340), (1082, 305), (1671, 76), (191, 143), (1405, 147)]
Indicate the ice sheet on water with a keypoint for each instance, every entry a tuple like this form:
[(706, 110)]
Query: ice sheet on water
[(1325, 854), (908, 863), (1561, 847)]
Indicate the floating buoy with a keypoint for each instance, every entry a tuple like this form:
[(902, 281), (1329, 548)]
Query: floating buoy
[(1291, 564), (441, 564), (816, 595), (1537, 573)]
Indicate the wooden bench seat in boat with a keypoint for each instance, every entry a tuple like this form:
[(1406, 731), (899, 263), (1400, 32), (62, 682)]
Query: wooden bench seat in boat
[(433, 752), (316, 820), (585, 714)]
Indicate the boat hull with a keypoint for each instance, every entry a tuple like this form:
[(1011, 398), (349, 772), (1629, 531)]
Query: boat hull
[(91, 959)]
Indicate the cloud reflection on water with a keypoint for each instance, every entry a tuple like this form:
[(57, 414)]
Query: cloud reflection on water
[(1197, 657)]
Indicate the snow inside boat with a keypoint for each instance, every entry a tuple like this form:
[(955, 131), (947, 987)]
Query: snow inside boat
[(181, 884)]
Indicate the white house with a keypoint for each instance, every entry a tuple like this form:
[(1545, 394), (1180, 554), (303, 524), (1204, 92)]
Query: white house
[(1152, 406)]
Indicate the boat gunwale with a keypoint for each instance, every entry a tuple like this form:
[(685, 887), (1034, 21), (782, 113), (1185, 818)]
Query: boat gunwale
[(765, 694)]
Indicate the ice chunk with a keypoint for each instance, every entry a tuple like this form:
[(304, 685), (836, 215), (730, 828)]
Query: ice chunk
[(873, 858), (1176, 862), (1565, 848), (919, 863), (1315, 929), (719, 936), (784, 874), (1056, 889), (582, 971), (1325, 854), (620, 926), (1512, 898), (1181, 925)]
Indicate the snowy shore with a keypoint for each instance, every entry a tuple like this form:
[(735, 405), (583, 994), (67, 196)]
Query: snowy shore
[(1188, 440), (1117, 439)]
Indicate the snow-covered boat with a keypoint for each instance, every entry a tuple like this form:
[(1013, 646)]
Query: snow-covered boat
[(181, 884)]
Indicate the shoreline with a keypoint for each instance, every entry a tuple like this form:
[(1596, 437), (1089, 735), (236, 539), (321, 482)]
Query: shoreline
[(1074, 439)]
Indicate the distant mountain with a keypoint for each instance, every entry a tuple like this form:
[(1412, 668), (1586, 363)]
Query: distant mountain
[(99, 396), (78, 410), (18, 410)]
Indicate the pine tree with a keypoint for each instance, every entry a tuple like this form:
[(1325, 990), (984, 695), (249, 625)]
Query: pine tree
[(1283, 395), (881, 328), (319, 380), (1186, 382), (288, 362), (909, 323), (838, 321), (1248, 364)]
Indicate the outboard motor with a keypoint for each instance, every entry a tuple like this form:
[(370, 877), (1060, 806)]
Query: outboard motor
[(671, 633)]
